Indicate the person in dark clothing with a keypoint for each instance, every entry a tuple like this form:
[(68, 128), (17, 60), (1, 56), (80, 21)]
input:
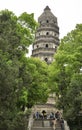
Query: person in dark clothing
[(44, 113), (57, 115)]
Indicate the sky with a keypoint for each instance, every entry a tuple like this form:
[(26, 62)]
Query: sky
[(68, 12)]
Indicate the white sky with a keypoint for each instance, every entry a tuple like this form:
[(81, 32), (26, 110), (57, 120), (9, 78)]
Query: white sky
[(68, 12)]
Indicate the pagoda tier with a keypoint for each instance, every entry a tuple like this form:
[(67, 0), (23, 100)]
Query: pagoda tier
[(46, 37)]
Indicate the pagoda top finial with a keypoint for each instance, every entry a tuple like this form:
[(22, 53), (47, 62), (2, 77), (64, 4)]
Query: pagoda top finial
[(47, 14), (47, 8)]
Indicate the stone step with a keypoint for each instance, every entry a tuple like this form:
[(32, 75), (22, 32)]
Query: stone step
[(42, 128), (57, 125), (58, 129), (37, 123), (42, 123)]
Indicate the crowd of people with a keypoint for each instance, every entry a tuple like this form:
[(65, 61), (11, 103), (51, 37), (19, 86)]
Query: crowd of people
[(56, 118)]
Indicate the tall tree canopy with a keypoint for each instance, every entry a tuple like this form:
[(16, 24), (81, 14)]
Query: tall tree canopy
[(16, 34), (35, 77), (66, 74), (23, 81)]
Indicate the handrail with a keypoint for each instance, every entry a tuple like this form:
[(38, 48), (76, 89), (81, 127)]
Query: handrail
[(30, 123), (66, 125)]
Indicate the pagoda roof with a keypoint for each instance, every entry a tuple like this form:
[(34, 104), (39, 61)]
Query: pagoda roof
[(47, 14)]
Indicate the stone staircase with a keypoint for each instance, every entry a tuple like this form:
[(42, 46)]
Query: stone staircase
[(58, 127), (44, 124)]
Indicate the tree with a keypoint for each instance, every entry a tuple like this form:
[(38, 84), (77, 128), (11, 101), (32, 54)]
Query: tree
[(16, 34), (35, 79), (66, 75)]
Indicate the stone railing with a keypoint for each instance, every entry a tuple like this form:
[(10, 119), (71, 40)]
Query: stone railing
[(30, 123), (66, 125)]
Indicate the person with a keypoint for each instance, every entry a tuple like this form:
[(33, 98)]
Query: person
[(54, 123), (62, 124), (57, 115), (37, 115), (52, 115), (44, 113)]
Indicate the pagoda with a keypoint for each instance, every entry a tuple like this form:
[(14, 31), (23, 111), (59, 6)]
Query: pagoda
[(46, 37)]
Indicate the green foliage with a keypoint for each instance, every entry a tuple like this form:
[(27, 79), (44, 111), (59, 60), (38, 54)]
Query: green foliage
[(26, 27), (23, 81), (14, 40), (35, 77), (66, 77), (74, 94)]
